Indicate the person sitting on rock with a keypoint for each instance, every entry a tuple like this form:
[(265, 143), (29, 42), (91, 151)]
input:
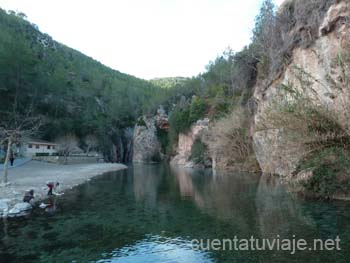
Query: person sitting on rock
[(28, 196)]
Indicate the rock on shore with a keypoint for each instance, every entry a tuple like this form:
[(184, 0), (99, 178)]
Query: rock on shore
[(34, 175)]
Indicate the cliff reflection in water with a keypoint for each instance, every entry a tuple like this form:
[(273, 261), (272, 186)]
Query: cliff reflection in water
[(253, 200), (146, 184), (223, 196), (257, 203), (276, 208)]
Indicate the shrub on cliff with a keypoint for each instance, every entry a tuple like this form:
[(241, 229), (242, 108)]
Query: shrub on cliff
[(297, 113), (197, 109), (179, 120), (163, 138), (330, 173), (198, 152), (320, 136), (230, 142), (141, 122), (276, 34)]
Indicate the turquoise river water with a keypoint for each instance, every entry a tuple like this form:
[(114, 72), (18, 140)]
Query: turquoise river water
[(155, 213)]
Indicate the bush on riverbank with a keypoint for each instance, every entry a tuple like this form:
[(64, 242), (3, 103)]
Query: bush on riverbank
[(331, 176), (324, 145)]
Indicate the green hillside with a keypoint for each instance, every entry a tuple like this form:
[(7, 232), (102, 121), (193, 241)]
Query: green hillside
[(170, 82), (72, 93)]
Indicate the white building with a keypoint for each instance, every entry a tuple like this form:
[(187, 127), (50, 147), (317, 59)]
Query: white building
[(33, 146)]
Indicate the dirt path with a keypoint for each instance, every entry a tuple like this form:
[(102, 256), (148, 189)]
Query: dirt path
[(34, 175)]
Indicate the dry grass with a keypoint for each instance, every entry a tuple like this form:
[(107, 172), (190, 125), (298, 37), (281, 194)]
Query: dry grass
[(230, 143), (310, 125), (309, 16)]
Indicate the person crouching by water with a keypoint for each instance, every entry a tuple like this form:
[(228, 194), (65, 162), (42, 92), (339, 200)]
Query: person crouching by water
[(28, 196), (52, 188), (51, 206)]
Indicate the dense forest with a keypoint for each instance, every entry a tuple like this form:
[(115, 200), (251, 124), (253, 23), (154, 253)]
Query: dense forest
[(72, 94)]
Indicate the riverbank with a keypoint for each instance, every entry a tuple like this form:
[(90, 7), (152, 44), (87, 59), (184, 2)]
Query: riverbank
[(34, 175)]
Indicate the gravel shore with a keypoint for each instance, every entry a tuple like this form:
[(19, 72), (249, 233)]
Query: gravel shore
[(34, 175)]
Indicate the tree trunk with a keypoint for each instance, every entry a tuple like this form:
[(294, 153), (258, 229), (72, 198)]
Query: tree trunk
[(6, 163)]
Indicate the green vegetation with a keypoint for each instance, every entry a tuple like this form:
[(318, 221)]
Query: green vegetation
[(141, 122), (211, 94), (330, 173), (163, 138), (72, 93), (42, 154), (169, 83), (180, 120), (197, 109), (198, 152), (324, 146), (183, 116)]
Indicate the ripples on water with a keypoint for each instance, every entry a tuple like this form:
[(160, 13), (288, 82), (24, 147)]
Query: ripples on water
[(157, 249), (151, 214)]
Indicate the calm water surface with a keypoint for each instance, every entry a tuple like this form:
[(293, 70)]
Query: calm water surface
[(151, 214)]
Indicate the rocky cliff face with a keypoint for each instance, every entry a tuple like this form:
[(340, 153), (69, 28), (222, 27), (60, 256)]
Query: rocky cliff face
[(185, 142), (146, 146), (318, 73)]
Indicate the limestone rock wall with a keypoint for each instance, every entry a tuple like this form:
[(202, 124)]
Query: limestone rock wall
[(186, 141), (276, 152), (146, 146)]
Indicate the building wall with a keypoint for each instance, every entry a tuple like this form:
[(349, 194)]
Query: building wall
[(38, 148)]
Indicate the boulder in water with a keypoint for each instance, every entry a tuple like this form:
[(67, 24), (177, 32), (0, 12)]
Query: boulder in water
[(20, 209)]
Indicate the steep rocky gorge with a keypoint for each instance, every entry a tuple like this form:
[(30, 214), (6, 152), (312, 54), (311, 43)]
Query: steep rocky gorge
[(146, 145), (315, 65), (300, 112), (318, 76)]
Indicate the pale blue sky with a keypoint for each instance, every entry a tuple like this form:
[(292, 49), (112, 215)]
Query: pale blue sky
[(145, 38)]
